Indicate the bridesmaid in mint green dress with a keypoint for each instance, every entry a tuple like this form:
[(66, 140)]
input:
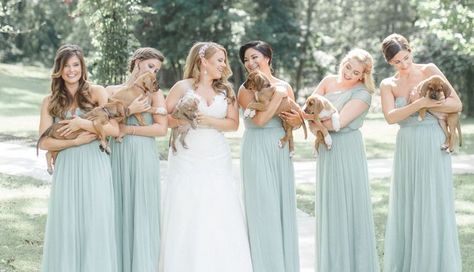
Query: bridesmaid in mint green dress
[(80, 233), (267, 174), (345, 237), (136, 174), (421, 232)]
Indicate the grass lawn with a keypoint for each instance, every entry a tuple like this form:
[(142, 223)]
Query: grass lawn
[(24, 201), (23, 208), (380, 188)]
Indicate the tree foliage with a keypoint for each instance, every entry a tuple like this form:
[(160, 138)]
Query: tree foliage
[(309, 37)]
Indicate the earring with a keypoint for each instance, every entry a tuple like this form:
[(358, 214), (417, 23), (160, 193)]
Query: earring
[(205, 72)]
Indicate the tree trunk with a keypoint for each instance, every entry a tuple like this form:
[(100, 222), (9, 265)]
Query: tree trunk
[(304, 47)]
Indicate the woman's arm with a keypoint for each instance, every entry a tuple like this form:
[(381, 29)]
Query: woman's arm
[(349, 113), (99, 96), (175, 94), (261, 117), (48, 143), (160, 122), (452, 103), (394, 115)]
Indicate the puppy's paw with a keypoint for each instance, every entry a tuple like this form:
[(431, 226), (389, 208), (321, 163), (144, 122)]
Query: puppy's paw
[(419, 118), (118, 139), (101, 148), (249, 113), (444, 147), (328, 141), (280, 144), (315, 153), (161, 111), (50, 171), (252, 113), (292, 153), (336, 124)]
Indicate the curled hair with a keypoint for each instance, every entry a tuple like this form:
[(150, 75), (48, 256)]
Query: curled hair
[(61, 100), (393, 44), (365, 59), (145, 53), (261, 47), (192, 68)]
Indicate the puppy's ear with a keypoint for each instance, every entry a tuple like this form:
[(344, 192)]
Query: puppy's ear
[(423, 88), (147, 82), (318, 106), (259, 82), (446, 89)]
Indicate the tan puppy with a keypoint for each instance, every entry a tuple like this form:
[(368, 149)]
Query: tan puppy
[(321, 108), (99, 116), (436, 88), (261, 86), (143, 85), (186, 110)]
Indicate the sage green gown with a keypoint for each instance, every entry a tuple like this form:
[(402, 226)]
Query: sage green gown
[(345, 237), (269, 195), (136, 176), (421, 233), (80, 232)]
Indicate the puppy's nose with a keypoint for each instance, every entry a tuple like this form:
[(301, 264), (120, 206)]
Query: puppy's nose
[(433, 96)]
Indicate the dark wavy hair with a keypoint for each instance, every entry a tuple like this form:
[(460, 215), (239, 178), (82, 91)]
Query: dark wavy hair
[(61, 99), (260, 46)]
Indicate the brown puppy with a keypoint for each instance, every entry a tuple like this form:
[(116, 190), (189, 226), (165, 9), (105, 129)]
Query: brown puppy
[(143, 85), (321, 108), (185, 110), (99, 116), (436, 88), (261, 86)]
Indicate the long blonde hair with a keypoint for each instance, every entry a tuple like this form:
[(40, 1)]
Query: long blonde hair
[(366, 60), (193, 63), (61, 99)]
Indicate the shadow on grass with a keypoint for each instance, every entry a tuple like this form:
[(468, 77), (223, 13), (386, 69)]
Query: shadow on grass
[(380, 189)]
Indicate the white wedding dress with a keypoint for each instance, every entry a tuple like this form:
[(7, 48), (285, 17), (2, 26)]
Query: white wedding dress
[(203, 225)]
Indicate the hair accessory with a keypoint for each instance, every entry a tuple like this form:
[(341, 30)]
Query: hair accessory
[(202, 50)]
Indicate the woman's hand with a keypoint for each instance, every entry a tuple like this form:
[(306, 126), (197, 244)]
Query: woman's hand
[(70, 126), (85, 138), (426, 102), (204, 120), (123, 131), (291, 117), (140, 104)]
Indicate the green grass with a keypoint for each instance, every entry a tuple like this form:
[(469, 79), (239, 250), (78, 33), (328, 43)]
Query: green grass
[(22, 90), (24, 200), (23, 207), (380, 188)]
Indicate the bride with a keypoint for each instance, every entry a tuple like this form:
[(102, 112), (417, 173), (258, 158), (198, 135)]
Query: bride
[(203, 221)]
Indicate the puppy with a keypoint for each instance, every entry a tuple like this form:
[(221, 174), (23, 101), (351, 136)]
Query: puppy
[(99, 116), (143, 85), (436, 88), (186, 110), (263, 91), (321, 108)]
